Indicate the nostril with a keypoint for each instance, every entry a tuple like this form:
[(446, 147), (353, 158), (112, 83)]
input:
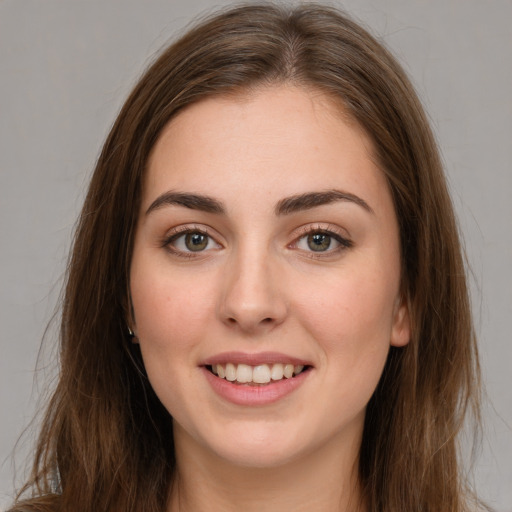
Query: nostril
[(267, 320)]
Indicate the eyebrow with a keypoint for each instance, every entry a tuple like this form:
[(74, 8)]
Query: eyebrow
[(192, 201), (313, 199), (285, 206)]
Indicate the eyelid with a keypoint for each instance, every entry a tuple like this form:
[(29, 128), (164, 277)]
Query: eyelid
[(326, 227), (339, 234), (336, 232), (184, 229)]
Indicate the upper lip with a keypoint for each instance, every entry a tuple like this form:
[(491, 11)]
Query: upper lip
[(254, 359)]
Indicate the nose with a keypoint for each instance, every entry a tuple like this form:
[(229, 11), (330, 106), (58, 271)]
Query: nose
[(253, 298)]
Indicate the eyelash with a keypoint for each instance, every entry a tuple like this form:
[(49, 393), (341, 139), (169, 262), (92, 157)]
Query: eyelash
[(182, 231), (329, 230)]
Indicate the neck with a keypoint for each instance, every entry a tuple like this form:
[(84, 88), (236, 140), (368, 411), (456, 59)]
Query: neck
[(325, 480)]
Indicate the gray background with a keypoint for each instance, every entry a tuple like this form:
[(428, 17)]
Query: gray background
[(67, 65)]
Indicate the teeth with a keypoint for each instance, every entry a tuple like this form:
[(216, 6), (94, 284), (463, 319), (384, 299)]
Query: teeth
[(244, 373), (277, 372), (261, 374), (230, 372), (288, 371)]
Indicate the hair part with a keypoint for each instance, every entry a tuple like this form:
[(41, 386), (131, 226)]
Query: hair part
[(106, 441)]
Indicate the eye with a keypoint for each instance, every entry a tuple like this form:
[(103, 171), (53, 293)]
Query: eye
[(319, 242), (196, 241), (190, 241), (322, 241)]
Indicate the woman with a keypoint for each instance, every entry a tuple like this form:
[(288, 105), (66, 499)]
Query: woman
[(266, 304)]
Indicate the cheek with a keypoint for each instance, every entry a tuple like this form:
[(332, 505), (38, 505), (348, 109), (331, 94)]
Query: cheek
[(171, 312), (351, 309), (351, 318), (171, 317), (352, 327)]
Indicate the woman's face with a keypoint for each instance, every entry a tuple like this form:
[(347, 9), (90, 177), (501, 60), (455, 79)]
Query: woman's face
[(267, 246)]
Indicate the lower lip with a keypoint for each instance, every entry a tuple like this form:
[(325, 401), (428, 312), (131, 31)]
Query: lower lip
[(243, 394)]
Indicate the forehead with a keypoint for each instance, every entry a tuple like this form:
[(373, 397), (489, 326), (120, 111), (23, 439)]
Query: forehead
[(276, 138)]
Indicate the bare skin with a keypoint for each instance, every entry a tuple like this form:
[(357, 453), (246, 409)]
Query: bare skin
[(319, 482), (267, 233)]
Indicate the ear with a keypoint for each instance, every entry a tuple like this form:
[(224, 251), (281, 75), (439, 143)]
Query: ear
[(131, 333), (401, 329), (131, 325)]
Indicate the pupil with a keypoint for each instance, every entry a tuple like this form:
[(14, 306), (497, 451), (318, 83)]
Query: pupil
[(196, 241), (319, 242)]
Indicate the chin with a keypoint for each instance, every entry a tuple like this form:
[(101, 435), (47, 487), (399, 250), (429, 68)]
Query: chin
[(260, 448), (259, 457)]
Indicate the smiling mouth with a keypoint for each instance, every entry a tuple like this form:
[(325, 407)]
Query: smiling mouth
[(259, 375)]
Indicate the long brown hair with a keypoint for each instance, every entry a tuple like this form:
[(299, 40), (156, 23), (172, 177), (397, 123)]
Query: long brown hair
[(106, 441)]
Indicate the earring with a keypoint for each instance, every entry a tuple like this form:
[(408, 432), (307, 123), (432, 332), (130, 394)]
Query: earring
[(130, 332)]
